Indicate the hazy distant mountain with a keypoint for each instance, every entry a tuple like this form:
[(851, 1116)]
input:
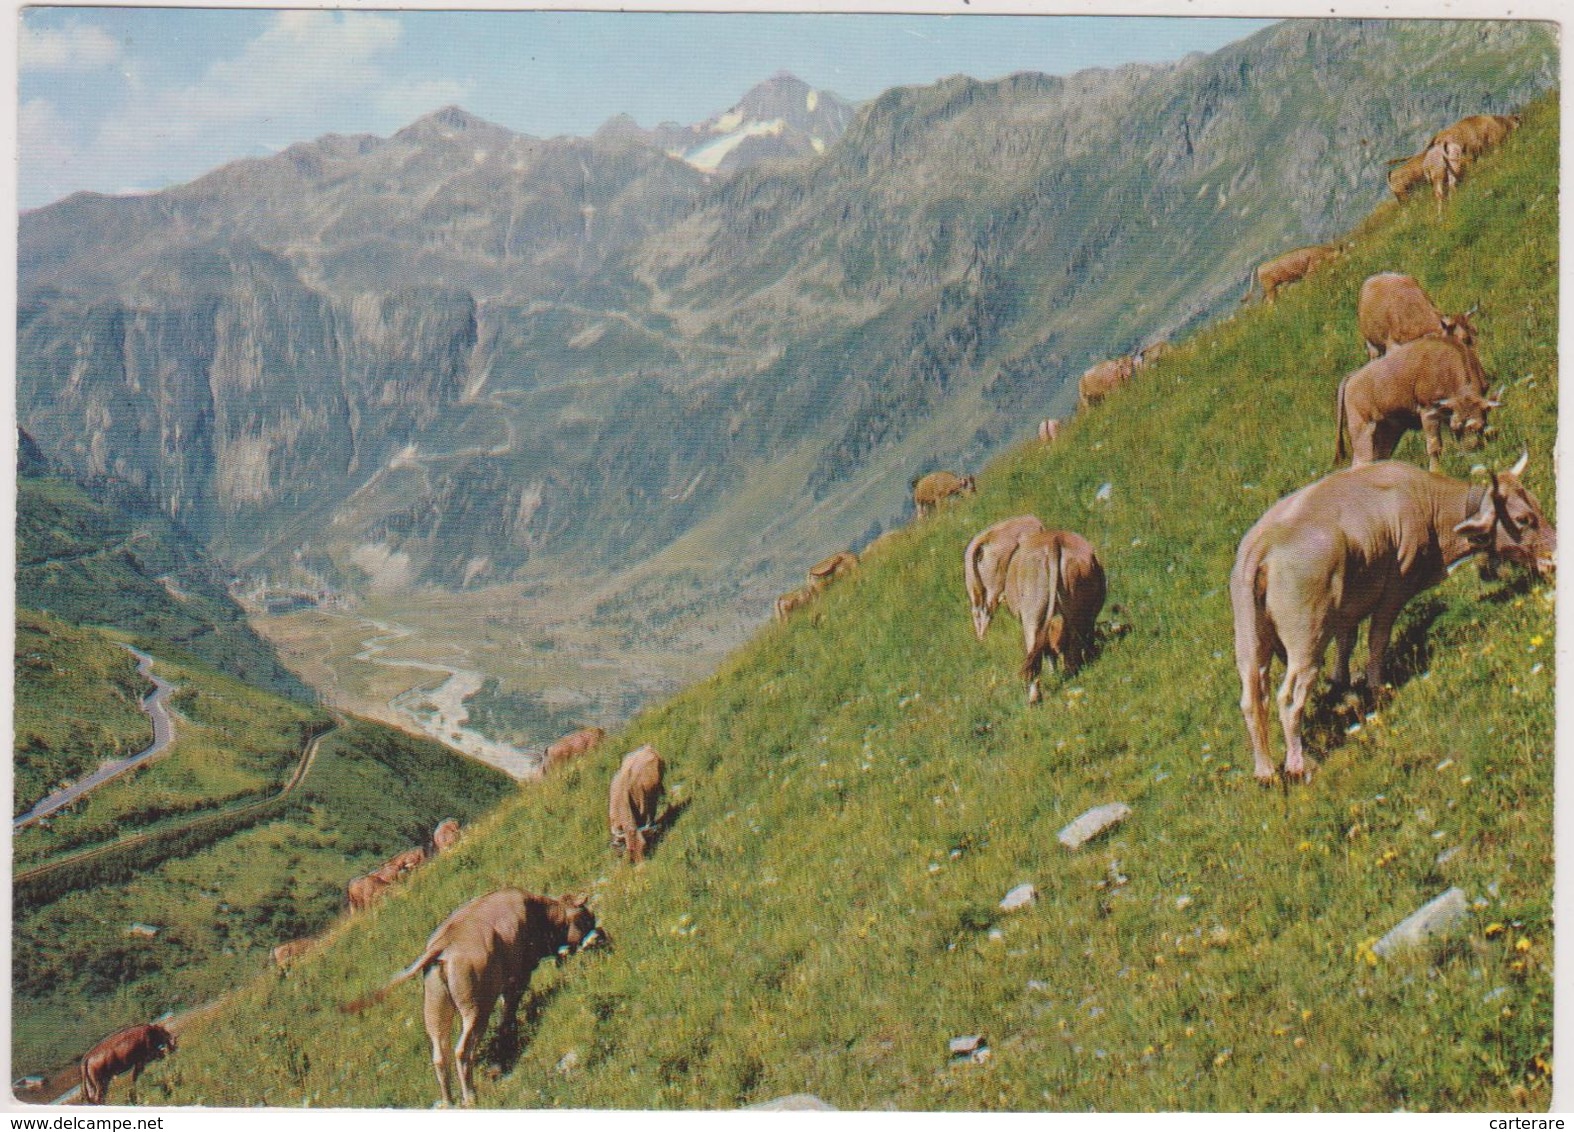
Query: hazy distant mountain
[(447, 355)]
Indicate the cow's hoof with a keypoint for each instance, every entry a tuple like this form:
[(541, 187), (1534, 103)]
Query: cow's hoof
[(1265, 779)]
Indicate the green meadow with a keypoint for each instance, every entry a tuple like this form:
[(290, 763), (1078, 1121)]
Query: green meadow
[(858, 788)]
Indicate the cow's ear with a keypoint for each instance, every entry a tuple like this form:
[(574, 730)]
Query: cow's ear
[(576, 901)]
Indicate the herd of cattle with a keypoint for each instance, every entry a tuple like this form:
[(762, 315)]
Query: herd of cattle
[(1351, 548)]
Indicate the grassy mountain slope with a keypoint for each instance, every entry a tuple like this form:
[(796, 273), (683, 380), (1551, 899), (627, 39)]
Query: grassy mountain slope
[(861, 786)]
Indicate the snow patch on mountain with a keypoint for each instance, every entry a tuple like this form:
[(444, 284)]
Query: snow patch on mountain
[(708, 157)]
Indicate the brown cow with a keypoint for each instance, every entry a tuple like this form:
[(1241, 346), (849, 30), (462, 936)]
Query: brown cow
[(1291, 267), (1406, 175), (1099, 381), (445, 836), (1359, 544), (929, 491), (794, 599), (487, 950), (408, 861), (132, 1048), (1153, 352), (364, 890), (1476, 134), (1048, 430), (1054, 574), (827, 570), (1413, 385), (1393, 309), (1443, 165), (572, 746), (294, 949), (984, 565), (636, 792)]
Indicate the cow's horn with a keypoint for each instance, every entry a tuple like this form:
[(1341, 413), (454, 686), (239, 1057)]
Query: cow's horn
[(1519, 467)]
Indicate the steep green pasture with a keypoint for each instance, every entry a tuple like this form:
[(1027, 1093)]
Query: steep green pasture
[(858, 789)]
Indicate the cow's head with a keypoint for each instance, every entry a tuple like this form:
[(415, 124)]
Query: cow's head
[(1459, 327), (1510, 524), (580, 929), (1467, 416), (162, 1040)]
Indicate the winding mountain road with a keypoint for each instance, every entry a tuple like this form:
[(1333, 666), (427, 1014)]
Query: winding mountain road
[(156, 706)]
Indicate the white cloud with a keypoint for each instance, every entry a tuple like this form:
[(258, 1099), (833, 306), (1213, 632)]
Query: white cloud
[(74, 48)]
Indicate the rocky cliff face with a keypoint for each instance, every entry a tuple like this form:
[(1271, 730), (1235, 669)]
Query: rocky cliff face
[(441, 356)]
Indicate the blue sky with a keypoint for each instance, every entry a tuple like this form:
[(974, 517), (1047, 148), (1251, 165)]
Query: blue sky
[(132, 99)]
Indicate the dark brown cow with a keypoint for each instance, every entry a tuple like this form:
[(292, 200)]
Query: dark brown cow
[(1393, 310), (132, 1048), (636, 792), (1291, 267), (1357, 545), (487, 950), (929, 491), (1099, 381), (446, 835), (827, 570), (572, 746), (985, 562), (1048, 430), (1055, 585), (1414, 385)]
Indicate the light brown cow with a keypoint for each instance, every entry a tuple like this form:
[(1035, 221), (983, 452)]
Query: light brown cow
[(985, 562), (1048, 430), (827, 570), (446, 835), (1443, 165), (929, 491), (1416, 384), (1357, 545), (1405, 175), (294, 949), (408, 861), (636, 792), (1055, 585), (1476, 134), (571, 746), (795, 599), (487, 950), (1291, 267), (1099, 381), (363, 891), (132, 1048), (1393, 309)]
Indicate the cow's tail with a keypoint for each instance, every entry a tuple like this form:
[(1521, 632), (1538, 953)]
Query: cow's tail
[(1251, 286), (1340, 423), (428, 957), (1034, 662)]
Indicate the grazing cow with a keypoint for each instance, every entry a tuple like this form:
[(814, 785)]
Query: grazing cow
[(795, 599), (1413, 385), (1476, 134), (1291, 267), (827, 570), (1359, 544), (636, 792), (1099, 381), (930, 490), (294, 949), (985, 562), (408, 861), (1393, 309), (1442, 165), (572, 746), (1152, 353), (131, 1048), (1048, 430), (1405, 175), (1054, 574), (364, 890), (487, 950), (446, 835)]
